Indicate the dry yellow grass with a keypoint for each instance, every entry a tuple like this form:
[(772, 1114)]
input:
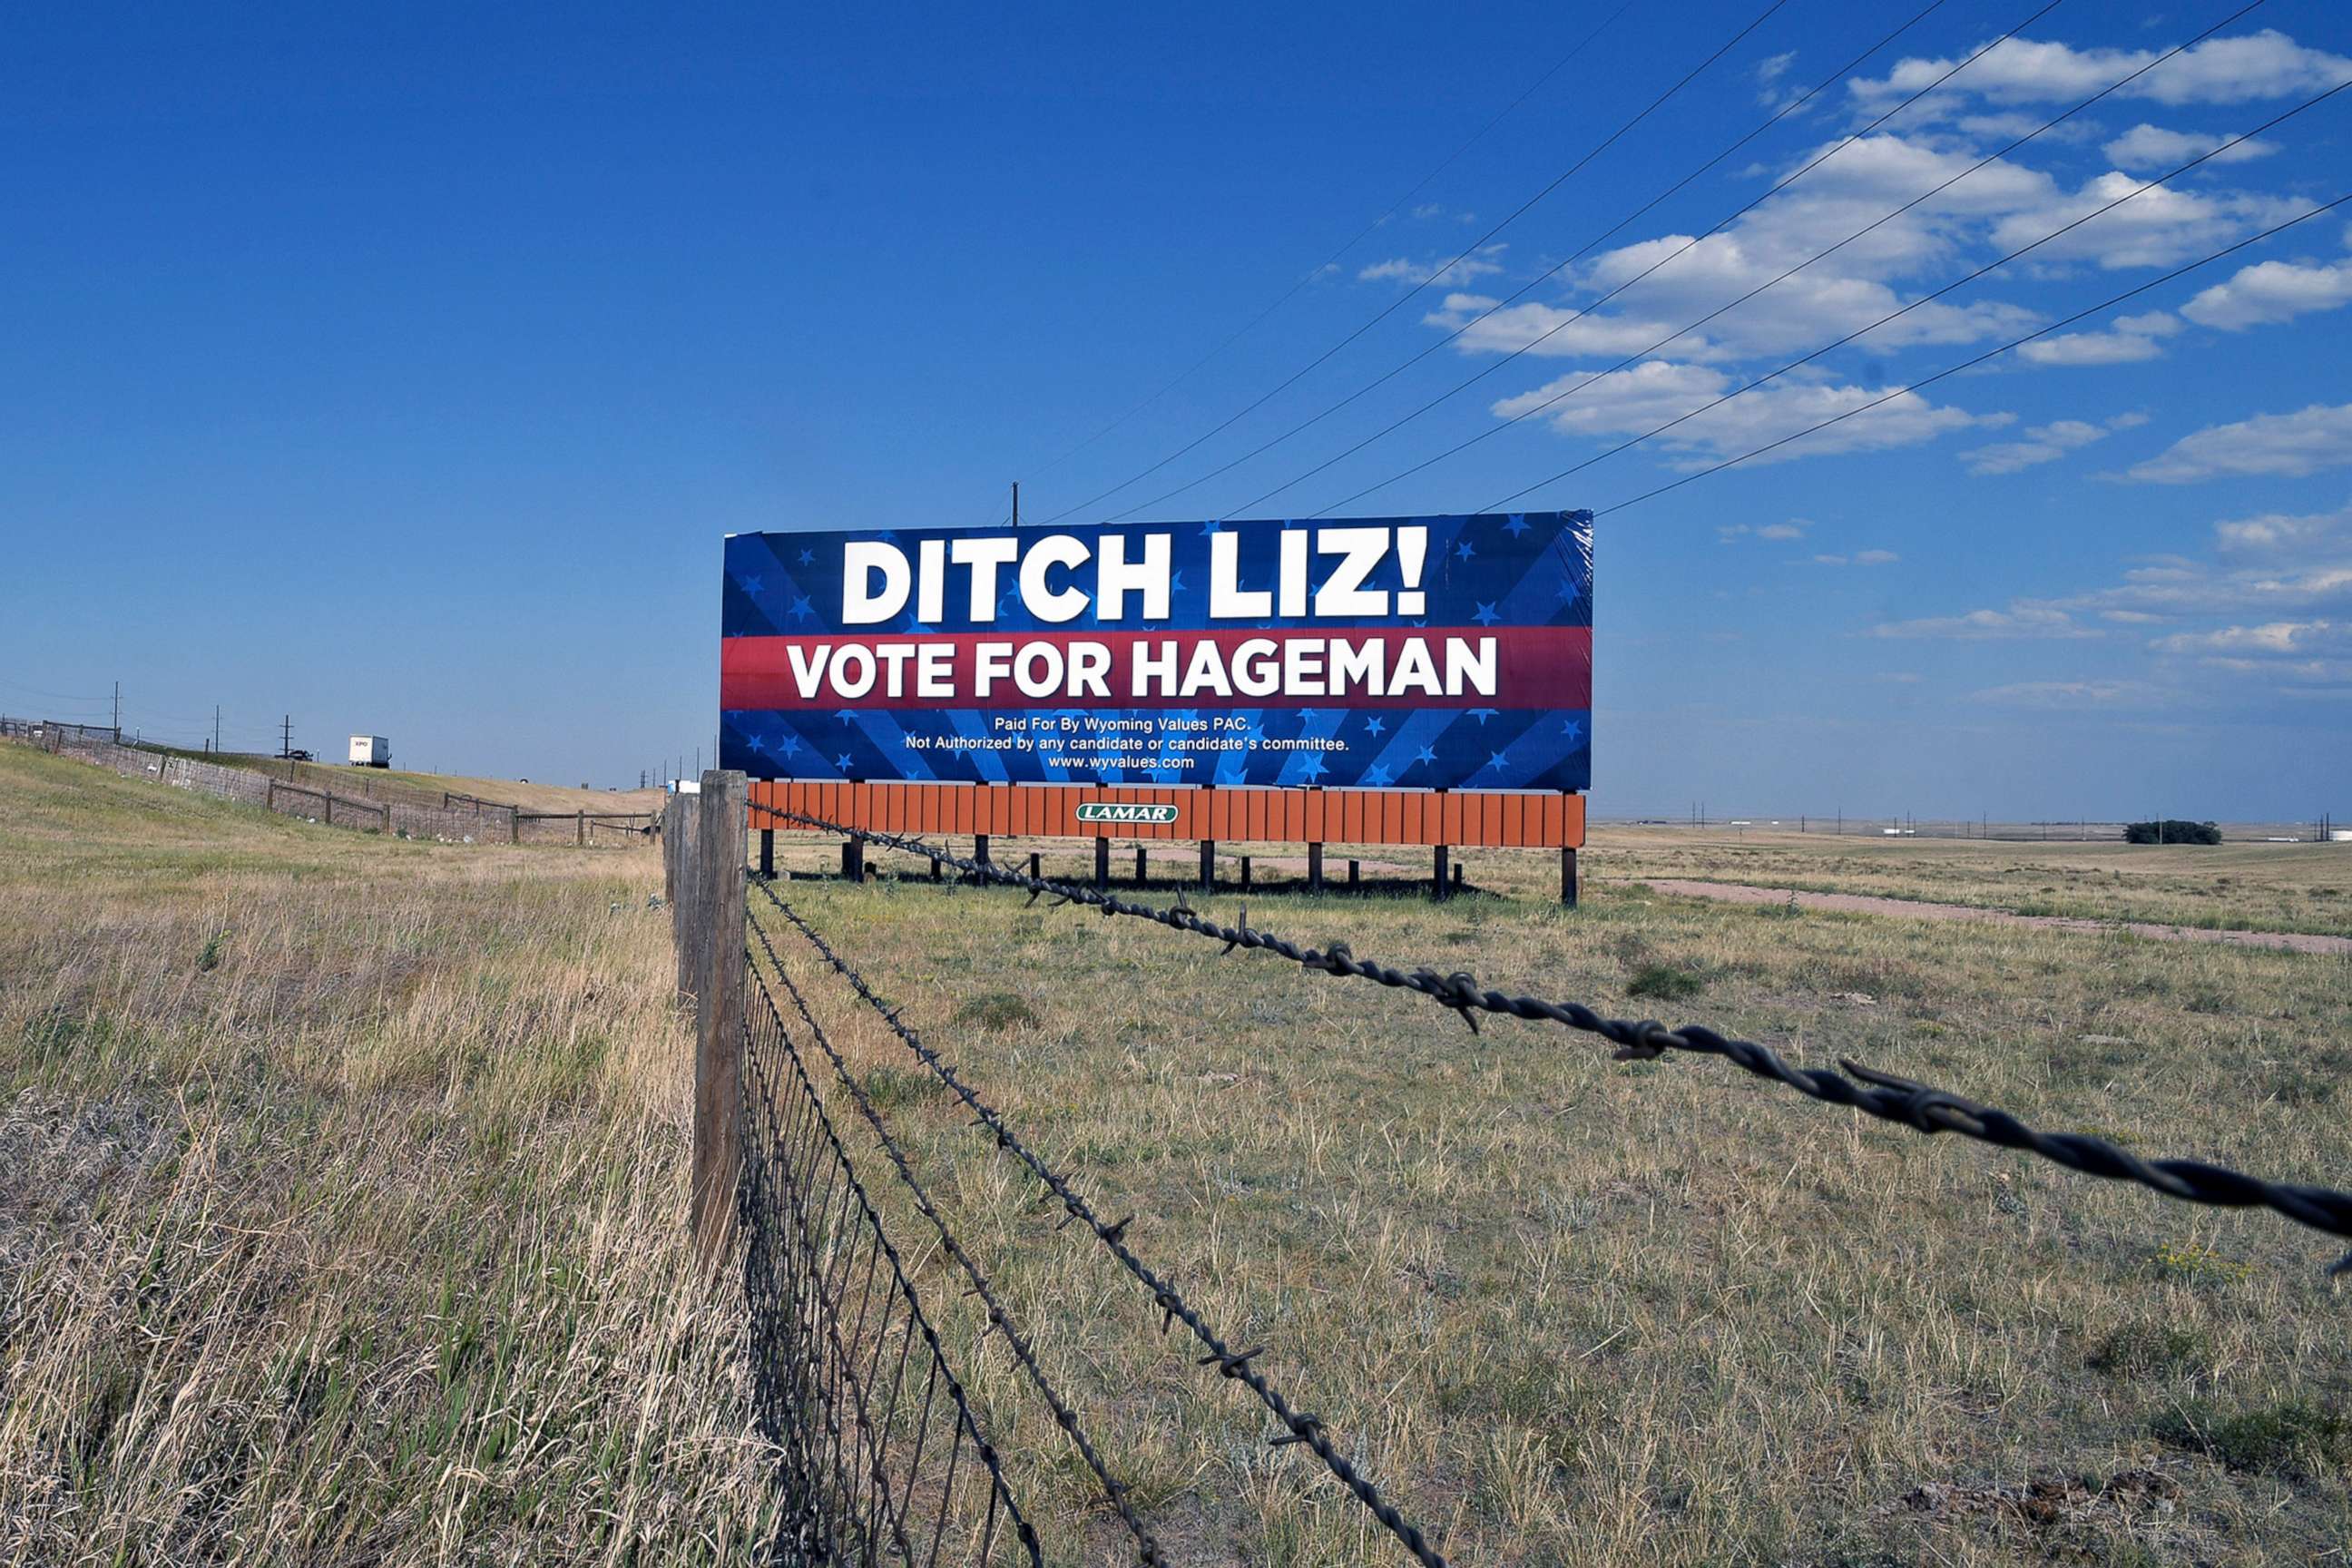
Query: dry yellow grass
[(340, 1198), (1567, 1311)]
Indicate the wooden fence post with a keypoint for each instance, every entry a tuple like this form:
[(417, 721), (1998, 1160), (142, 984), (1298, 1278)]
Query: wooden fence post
[(686, 908), (718, 1150)]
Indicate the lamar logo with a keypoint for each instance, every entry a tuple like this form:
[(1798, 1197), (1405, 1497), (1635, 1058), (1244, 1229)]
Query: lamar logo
[(1124, 811)]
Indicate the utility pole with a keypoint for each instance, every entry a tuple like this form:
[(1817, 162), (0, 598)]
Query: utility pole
[(118, 712), (1016, 503), (286, 738), (216, 728)]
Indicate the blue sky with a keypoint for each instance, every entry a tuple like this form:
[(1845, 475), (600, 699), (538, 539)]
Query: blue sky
[(404, 371)]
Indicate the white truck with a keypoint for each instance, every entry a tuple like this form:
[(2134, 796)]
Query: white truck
[(371, 751)]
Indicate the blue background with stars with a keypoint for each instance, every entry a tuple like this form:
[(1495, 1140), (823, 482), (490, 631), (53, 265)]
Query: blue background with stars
[(1515, 569)]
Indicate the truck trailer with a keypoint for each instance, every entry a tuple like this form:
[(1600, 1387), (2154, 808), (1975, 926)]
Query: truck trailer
[(371, 751)]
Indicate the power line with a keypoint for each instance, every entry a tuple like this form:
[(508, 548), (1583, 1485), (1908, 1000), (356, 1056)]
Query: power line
[(1965, 364), (1353, 240), (1469, 250), (1720, 311), (1587, 248)]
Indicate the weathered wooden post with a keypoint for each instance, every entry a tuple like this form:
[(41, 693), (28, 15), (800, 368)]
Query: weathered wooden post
[(1568, 878), (1143, 875), (580, 829), (1034, 875), (1207, 863), (852, 860), (1438, 875), (1314, 868), (1355, 875), (1245, 873), (686, 907), (718, 1151), (979, 848)]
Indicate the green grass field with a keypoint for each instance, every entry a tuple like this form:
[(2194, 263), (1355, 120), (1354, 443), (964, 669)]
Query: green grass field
[(341, 1207)]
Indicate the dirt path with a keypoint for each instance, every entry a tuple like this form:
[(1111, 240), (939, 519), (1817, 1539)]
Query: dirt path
[(1742, 893)]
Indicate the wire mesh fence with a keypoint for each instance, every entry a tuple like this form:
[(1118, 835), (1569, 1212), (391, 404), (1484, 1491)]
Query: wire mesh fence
[(882, 1453)]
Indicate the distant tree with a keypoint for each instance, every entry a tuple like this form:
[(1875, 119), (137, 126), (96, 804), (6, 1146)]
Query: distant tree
[(2171, 830)]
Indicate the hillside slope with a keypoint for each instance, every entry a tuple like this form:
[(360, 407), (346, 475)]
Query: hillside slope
[(340, 1197)]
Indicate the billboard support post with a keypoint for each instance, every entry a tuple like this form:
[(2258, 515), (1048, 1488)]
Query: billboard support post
[(1355, 875), (1102, 862), (768, 852), (980, 850), (1314, 868), (1568, 878), (1437, 876), (1142, 873), (1208, 863), (852, 860)]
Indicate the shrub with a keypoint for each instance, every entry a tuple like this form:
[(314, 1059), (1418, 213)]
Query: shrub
[(1665, 982), (2171, 830), (2297, 1438), (997, 1011)]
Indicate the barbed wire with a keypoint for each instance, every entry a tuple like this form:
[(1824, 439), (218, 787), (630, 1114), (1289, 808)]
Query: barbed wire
[(1301, 1427), (1148, 1549), (1885, 1096)]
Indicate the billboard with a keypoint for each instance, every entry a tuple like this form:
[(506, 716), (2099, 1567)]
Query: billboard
[(1420, 652)]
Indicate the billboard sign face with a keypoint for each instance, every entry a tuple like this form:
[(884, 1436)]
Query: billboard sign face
[(1423, 652)]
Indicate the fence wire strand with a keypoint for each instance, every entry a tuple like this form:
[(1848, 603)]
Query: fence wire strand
[(1001, 1321), (1888, 1097), (1304, 1428), (838, 1325)]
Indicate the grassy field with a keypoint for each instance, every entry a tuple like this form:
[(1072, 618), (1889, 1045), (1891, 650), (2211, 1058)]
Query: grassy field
[(1567, 1310), (2244, 886), (340, 1198), (340, 1203)]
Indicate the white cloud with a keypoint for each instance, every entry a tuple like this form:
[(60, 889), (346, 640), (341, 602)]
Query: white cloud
[(2128, 341), (2150, 150), (2271, 291), (2278, 533), (2275, 639), (2304, 442), (2043, 444), (2239, 69), (2153, 226), (1628, 402), (1481, 263), (1860, 558), (2024, 618), (1731, 533), (2067, 695)]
